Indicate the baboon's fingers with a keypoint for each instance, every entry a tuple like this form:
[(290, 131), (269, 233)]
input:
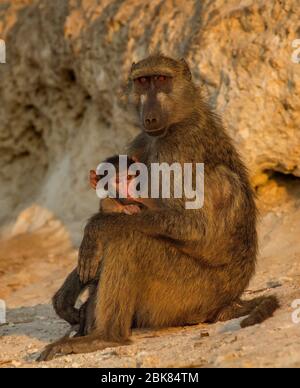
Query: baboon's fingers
[(93, 269), (90, 254), (84, 269), (93, 179), (61, 348), (81, 269), (85, 272), (88, 268), (49, 353), (85, 253)]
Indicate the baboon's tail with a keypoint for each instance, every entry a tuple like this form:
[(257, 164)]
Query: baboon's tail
[(260, 309), (257, 310)]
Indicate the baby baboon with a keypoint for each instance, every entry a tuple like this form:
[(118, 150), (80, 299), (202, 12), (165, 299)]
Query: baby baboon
[(65, 299), (173, 266), (126, 205)]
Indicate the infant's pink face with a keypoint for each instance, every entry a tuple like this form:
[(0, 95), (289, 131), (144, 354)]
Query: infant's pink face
[(122, 184)]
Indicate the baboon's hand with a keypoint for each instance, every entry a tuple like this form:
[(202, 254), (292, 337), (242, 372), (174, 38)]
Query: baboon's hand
[(93, 179), (131, 209), (87, 268), (90, 254)]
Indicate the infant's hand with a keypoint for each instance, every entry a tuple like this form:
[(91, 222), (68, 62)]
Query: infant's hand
[(131, 209), (93, 179)]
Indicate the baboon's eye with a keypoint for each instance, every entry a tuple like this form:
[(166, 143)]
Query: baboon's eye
[(162, 82), (160, 78), (143, 80)]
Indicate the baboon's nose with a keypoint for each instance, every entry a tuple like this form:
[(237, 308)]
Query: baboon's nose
[(151, 123)]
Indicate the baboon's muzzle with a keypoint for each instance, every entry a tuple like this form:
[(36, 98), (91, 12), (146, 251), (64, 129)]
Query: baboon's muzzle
[(152, 117)]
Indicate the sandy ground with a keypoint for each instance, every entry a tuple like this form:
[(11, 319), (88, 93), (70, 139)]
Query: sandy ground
[(34, 264)]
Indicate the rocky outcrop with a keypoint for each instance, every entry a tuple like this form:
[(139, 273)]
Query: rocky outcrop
[(61, 111)]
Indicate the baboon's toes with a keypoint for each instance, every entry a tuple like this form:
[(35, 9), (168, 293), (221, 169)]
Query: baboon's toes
[(49, 353)]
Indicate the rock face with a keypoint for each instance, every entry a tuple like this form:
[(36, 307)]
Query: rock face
[(61, 111)]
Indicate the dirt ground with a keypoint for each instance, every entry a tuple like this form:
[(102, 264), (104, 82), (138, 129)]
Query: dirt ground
[(34, 263)]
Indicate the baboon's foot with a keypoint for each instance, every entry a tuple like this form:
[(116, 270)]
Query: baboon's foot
[(88, 344)]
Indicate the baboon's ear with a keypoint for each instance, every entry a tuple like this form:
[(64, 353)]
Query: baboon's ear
[(186, 70)]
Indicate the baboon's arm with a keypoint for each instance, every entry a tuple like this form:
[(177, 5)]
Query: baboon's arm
[(102, 229), (169, 223), (173, 224)]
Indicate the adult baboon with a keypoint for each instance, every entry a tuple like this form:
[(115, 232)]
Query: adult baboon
[(173, 266)]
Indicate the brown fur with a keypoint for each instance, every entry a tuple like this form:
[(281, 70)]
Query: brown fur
[(170, 266), (66, 297)]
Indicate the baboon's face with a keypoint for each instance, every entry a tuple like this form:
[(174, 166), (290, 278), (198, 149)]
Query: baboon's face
[(152, 93), (162, 91)]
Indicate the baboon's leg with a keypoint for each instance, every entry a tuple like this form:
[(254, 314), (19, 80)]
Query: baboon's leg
[(87, 312), (65, 298), (114, 309), (141, 279)]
